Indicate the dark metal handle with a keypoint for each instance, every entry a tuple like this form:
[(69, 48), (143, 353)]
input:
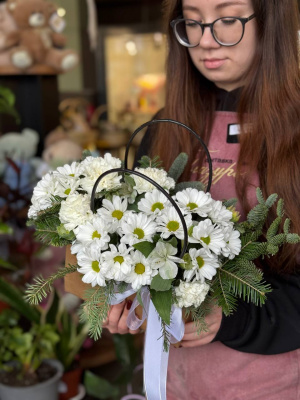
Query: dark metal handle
[(111, 171), (155, 121)]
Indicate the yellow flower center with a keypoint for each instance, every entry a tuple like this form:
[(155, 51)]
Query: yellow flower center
[(117, 214), (139, 268), (67, 191), (173, 226), (95, 266), (156, 206), (119, 259), (72, 175), (206, 240), (192, 206), (200, 262), (139, 233), (96, 235)]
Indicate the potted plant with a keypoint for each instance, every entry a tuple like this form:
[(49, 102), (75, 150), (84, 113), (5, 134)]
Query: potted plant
[(27, 344), (72, 334)]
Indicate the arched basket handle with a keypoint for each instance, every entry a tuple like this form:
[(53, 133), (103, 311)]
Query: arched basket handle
[(123, 170), (155, 121)]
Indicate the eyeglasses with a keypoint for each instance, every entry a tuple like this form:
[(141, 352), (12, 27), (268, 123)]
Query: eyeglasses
[(227, 31)]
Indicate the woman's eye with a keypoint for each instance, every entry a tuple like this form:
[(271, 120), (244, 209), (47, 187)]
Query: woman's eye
[(228, 21), (190, 24)]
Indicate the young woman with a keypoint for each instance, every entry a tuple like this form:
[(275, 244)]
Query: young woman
[(233, 76)]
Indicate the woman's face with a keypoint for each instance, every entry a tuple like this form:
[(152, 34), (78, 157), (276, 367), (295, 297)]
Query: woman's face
[(225, 66)]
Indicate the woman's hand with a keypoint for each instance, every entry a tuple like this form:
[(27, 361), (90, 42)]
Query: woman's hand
[(117, 317), (213, 321)]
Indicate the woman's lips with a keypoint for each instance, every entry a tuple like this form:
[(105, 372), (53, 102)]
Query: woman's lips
[(213, 63)]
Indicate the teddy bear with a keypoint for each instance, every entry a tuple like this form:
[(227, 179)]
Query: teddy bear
[(37, 39)]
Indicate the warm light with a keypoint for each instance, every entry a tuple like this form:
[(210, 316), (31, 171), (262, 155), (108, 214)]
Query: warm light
[(131, 47), (61, 12)]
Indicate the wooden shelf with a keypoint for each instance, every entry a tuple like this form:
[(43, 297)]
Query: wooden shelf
[(35, 70)]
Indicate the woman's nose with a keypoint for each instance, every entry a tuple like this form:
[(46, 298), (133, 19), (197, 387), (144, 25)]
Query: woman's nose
[(207, 40)]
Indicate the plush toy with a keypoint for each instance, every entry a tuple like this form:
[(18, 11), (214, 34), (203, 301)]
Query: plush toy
[(18, 146), (62, 152), (38, 39)]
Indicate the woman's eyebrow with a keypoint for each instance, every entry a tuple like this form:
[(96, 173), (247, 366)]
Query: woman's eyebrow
[(230, 3), (218, 7)]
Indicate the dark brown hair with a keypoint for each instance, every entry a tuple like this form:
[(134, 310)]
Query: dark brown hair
[(270, 98)]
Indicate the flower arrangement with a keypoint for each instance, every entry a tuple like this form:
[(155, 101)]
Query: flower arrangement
[(143, 232)]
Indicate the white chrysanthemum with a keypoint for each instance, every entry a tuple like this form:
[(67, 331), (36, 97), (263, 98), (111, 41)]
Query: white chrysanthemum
[(94, 231), (210, 236), (44, 191), (33, 211), (93, 167), (90, 264), (194, 201), (191, 294), (118, 261), (75, 210), (153, 203), (233, 243), (113, 212), (141, 272), (163, 258), (158, 175), (137, 228), (73, 170), (169, 223), (219, 214), (204, 265)]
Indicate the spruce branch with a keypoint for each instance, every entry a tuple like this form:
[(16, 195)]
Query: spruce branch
[(41, 287), (95, 308)]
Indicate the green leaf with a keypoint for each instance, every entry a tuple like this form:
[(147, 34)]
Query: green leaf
[(160, 285), (129, 180), (7, 265), (10, 295), (145, 248), (98, 387), (5, 229), (53, 309), (163, 303), (230, 202), (178, 166), (139, 298), (173, 242), (184, 185)]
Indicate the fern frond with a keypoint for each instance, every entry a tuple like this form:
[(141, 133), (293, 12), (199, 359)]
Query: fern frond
[(41, 287), (146, 162), (260, 196), (230, 202), (271, 200)]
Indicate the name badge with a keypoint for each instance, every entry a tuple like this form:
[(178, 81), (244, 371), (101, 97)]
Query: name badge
[(233, 131)]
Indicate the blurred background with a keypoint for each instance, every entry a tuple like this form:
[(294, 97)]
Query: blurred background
[(86, 80)]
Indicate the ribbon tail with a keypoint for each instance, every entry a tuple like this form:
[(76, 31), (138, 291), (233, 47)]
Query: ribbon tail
[(155, 358)]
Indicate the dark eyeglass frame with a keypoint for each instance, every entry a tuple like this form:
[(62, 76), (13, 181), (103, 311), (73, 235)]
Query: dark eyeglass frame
[(211, 26)]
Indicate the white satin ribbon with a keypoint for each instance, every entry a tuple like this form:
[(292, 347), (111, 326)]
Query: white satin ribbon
[(155, 358)]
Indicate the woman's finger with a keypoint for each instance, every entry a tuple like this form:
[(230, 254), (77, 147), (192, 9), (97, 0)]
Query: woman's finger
[(114, 317)]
